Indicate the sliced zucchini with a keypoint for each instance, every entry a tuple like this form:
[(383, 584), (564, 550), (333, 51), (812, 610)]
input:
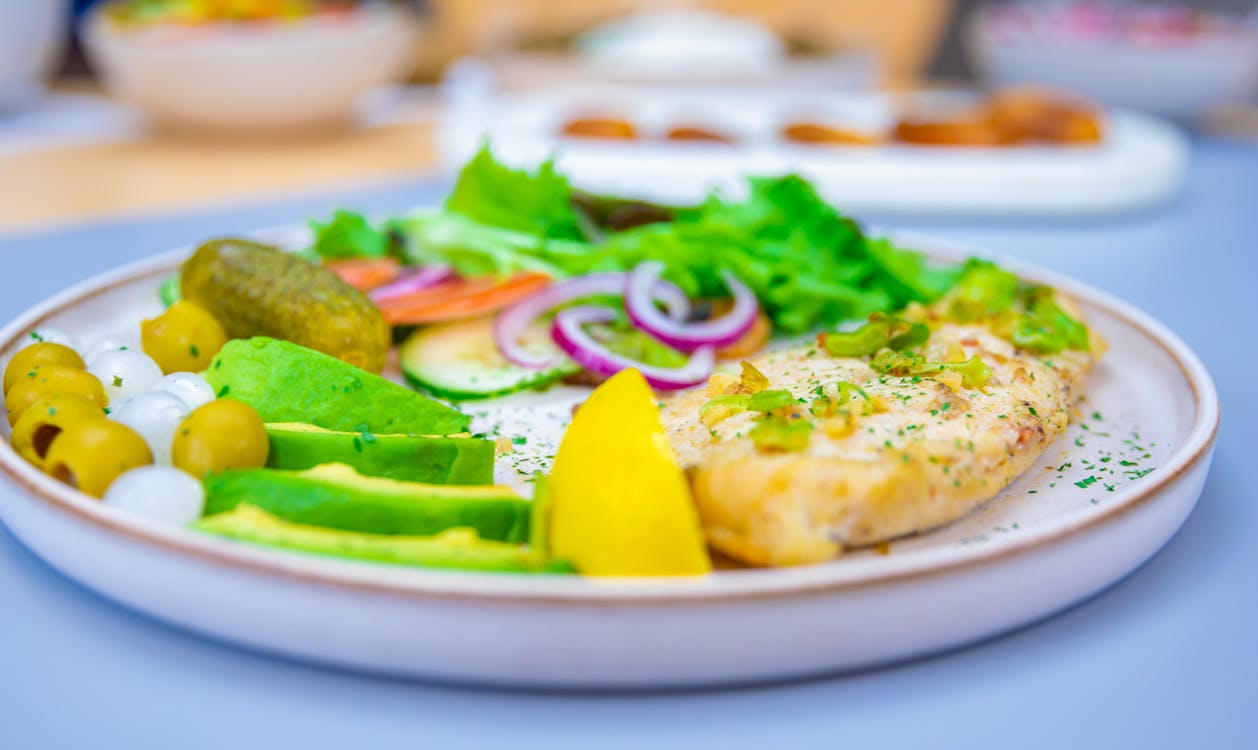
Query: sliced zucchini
[(460, 361)]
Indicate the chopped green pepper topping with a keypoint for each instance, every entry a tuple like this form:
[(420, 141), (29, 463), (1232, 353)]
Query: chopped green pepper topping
[(822, 407), (780, 434), (1046, 328), (879, 332), (767, 401), (1029, 316), (722, 407), (974, 373), (848, 390), (752, 380), (828, 406), (984, 290)]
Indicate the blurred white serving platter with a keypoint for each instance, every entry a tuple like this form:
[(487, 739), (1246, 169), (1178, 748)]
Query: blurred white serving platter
[(1140, 163)]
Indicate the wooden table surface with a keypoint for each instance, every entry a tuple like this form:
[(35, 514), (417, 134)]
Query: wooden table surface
[(161, 173)]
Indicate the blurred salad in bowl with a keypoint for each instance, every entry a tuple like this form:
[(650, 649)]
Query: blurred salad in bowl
[(219, 11), (248, 66), (1170, 59)]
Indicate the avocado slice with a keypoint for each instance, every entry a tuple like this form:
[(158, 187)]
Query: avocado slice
[(435, 459), (285, 382), (335, 496), (458, 548)]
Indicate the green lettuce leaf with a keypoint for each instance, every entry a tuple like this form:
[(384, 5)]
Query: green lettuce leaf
[(348, 235), (808, 264), (537, 203), (476, 249)]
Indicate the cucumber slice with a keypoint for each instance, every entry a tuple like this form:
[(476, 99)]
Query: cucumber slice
[(460, 361)]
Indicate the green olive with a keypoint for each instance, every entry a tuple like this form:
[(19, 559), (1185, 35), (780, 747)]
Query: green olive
[(90, 455), (45, 419), (46, 380), (223, 434), (183, 339), (45, 353)]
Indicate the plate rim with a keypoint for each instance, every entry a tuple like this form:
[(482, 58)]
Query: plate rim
[(447, 586)]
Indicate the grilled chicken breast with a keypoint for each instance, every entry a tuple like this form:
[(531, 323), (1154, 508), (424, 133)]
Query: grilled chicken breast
[(922, 452)]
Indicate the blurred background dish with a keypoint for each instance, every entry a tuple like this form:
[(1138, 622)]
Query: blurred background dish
[(301, 65), (1171, 60), (1018, 116), (685, 47), (267, 67), (1017, 152), (30, 46), (840, 43)]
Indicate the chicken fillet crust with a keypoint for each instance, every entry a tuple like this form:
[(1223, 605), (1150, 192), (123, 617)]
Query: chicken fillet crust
[(930, 453)]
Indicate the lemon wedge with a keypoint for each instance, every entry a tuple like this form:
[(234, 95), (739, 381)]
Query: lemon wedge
[(620, 504)]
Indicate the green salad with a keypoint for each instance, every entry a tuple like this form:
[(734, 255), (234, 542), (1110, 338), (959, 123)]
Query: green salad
[(808, 264)]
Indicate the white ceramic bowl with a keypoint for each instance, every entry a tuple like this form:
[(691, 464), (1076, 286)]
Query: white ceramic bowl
[(253, 78), (1179, 81), (30, 41), (1050, 540)]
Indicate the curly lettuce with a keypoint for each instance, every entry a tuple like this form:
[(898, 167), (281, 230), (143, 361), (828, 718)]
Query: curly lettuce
[(808, 264)]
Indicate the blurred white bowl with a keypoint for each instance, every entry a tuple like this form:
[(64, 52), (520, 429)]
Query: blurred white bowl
[(253, 78), (1180, 80), (30, 42)]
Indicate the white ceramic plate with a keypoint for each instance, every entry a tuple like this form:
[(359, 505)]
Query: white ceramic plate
[(1044, 544), (1140, 162)]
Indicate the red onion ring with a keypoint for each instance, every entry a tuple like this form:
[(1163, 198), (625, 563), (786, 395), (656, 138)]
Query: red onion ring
[(511, 323), (688, 337), (414, 281), (570, 335)]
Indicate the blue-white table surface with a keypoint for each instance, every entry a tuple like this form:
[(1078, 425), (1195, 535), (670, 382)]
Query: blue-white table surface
[(1166, 658)]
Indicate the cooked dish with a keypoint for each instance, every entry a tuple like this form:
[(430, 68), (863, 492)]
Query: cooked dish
[(260, 406), (1007, 118), (198, 12), (1012, 117), (600, 127), (816, 133), (697, 133), (817, 452)]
